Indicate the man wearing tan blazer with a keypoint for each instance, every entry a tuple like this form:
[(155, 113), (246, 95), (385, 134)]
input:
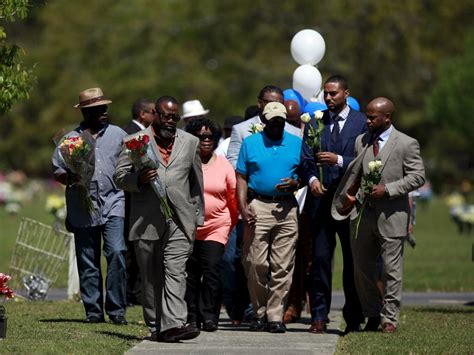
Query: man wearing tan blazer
[(384, 221), (162, 246)]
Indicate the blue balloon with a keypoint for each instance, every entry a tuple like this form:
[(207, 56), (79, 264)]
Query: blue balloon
[(290, 94), (314, 106), (353, 103)]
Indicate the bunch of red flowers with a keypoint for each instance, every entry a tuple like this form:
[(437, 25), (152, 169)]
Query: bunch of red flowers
[(138, 146), (5, 291)]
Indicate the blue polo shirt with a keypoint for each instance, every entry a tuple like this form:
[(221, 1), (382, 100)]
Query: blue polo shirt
[(265, 162)]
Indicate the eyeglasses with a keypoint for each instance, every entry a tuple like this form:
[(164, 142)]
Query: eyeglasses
[(168, 116), (203, 137)]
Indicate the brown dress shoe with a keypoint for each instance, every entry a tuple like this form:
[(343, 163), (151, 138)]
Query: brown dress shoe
[(317, 327), (388, 328)]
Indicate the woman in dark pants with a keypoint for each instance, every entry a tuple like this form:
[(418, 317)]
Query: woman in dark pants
[(203, 284)]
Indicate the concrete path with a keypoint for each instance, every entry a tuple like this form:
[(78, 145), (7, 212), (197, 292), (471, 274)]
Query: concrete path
[(238, 340)]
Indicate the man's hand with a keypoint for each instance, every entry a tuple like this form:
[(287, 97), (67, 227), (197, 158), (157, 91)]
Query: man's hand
[(326, 158), (347, 205), (248, 216), (147, 175), (68, 178), (378, 191), (287, 185), (317, 189)]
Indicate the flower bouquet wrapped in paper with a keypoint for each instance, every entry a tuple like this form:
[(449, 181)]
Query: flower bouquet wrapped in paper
[(137, 149), (78, 155)]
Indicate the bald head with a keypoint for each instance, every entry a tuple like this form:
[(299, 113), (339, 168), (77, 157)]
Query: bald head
[(379, 114), (293, 112), (382, 104)]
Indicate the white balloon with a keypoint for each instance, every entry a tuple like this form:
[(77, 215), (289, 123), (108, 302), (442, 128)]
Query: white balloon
[(321, 97), (307, 81), (308, 47)]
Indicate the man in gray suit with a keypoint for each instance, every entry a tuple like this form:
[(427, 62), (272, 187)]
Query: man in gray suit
[(242, 130), (384, 220), (163, 246)]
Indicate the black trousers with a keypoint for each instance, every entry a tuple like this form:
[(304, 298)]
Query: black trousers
[(324, 243), (203, 283)]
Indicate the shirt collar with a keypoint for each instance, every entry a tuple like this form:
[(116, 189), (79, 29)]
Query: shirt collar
[(99, 133), (343, 114), (139, 124), (385, 134)]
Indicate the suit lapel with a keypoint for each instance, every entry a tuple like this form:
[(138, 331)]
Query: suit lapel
[(347, 130), (155, 151), (388, 147), (177, 146)]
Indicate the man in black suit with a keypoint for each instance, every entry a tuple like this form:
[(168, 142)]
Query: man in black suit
[(143, 114), (342, 126)]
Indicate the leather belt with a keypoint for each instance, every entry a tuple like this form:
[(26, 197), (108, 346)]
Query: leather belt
[(273, 198)]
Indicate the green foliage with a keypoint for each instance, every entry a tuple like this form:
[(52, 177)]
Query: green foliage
[(222, 53), (449, 107), (15, 79)]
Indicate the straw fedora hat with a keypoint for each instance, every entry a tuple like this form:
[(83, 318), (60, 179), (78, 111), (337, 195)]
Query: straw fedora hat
[(92, 97), (193, 108)]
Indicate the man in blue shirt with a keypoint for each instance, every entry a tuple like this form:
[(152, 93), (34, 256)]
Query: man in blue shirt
[(266, 182), (104, 220)]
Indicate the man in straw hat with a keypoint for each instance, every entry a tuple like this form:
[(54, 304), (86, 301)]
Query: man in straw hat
[(103, 218)]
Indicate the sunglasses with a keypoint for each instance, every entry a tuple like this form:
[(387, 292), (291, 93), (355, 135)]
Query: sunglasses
[(203, 137), (168, 116)]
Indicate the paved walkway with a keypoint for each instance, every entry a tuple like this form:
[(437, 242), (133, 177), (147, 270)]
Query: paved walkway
[(238, 340)]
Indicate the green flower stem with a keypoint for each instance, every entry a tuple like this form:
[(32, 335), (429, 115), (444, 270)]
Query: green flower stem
[(321, 175), (359, 217)]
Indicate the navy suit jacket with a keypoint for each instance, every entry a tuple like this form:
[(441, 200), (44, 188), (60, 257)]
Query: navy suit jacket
[(356, 124)]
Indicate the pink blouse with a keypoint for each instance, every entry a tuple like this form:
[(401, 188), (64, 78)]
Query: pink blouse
[(220, 214)]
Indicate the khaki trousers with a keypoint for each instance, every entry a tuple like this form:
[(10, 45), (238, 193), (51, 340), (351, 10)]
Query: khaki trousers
[(269, 255), (365, 250)]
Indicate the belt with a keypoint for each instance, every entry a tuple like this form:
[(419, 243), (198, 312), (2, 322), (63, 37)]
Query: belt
[(273, 198)]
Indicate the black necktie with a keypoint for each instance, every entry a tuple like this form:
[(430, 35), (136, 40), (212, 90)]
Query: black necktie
[(335, 131)]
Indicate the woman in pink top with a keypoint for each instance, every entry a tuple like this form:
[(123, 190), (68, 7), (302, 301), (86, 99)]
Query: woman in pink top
[(203, 284)]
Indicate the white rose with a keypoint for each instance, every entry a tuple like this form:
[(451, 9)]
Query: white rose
[(318, 114), (305, 118), (259, 127), (378, 164), (372, 165)]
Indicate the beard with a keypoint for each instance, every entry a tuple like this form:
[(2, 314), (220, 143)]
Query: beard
[(167, 132)]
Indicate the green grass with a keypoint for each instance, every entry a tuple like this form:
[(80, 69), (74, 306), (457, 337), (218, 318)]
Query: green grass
[(425, 330), (57, 328), (442, 258)]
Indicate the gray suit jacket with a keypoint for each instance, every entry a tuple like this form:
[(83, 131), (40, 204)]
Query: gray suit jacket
[(402, 172), (242, 130), (182, 179)]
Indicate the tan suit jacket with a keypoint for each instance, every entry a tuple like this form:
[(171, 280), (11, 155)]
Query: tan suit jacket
[(402, 172), (182, 180)]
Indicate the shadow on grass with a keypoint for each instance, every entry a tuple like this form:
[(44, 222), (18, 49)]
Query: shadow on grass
[(122, 336), (62, 320), (444, 310)]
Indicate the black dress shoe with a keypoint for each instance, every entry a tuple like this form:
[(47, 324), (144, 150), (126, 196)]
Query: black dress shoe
[(119, 320), (257, 325), (94, 319), (276, 327), (209, 326), (372, 324), (174, 335)]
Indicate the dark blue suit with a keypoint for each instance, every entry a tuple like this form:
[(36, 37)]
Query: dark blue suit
[(325, 227)]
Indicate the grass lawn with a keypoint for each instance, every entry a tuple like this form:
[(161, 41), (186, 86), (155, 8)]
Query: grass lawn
[(57, 328), (442, 258), (426, 330)]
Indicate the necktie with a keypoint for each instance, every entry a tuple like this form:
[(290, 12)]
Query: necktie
[(335, 131), (375, 146)]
